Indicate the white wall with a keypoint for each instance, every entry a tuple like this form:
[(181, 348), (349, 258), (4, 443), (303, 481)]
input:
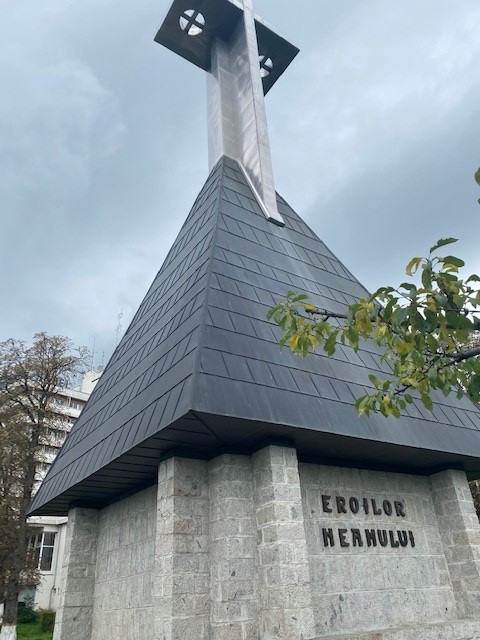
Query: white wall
[(47, 592)]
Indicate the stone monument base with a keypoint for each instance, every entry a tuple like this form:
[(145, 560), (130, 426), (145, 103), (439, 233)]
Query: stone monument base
[(461, 630), (263, 547)]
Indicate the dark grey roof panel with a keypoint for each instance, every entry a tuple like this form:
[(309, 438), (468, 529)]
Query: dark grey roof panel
[(319, 414), (199, 370), (147, 384)]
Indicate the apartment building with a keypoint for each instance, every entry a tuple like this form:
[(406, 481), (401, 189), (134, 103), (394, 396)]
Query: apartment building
[(48, 537)]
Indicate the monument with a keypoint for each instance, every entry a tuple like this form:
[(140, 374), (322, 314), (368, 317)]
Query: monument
[(218, 488)]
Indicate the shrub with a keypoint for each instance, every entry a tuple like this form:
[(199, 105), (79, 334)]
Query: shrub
[(47, 620), (26, 615)]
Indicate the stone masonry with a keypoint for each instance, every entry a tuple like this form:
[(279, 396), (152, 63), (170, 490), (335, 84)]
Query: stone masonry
[(233, 550), (460, 535), (286, 599), (182, 593), (396, 586), (125, 567), (263, 548), (74, 617)]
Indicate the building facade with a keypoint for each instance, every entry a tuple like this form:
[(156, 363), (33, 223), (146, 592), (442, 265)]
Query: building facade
[(48, 533)]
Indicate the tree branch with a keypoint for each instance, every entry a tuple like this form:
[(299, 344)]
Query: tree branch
[(326, 315), (464, 355)]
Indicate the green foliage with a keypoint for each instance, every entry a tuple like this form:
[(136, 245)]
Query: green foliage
[(32, 632), (425, 328), (477, 178), (47, 620), (29, 379), (26, 614)]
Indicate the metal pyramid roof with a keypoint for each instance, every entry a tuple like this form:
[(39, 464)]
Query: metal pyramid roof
[(199, 370)]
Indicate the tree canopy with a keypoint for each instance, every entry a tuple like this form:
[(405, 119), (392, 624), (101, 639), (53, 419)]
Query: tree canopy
[(30, 377), (427, 328)]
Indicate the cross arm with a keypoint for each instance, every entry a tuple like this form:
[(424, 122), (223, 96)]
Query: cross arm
[(221, 17)]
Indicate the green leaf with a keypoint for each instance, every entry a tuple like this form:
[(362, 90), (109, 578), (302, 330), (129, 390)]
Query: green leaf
[(427, 277), (477, 176), (353, 338), (443, 242), (400, 315), (331, 344), (375, 381), (409, 286), (432, 320), (427, 401), (457, 262), (474, 388), (387, 312), (382, 293)]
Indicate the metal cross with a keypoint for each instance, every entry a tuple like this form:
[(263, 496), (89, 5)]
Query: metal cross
[(266, 65), (191, 18), (244, 58)]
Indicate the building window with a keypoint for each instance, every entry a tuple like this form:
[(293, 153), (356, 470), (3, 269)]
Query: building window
[(75, 405), (43, 544), (50, 451)]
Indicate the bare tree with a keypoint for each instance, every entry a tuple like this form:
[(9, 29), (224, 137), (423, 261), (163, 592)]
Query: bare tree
[(30, 377)]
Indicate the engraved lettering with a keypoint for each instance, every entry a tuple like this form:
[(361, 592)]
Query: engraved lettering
[(403, 538), (326, 504), (412, 538), (387, 507), (400, 509), (357, 538), (354, 505), (382, 537), (366, 506), (371, 537), (328, 539), (376, 510), (393, 542), (341, 505), (342, 534)]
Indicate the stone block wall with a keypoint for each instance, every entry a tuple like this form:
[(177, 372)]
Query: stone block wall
[(264, 548), (286, 597), (182, 574), (460, 534), (77, 591), (397, 585), (125, 563), (234, 588)]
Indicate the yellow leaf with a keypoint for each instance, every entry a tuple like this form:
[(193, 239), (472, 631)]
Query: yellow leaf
[(450, 267), (310, 307), (412, 266), (403, 348), (293, 342)]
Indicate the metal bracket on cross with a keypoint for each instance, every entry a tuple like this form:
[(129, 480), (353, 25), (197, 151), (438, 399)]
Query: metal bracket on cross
[(244, 57)]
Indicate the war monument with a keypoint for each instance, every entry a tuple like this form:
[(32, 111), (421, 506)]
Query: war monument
[(218, 488)]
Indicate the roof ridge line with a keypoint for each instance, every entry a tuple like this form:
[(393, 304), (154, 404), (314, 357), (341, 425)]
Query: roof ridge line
[(208, 278)]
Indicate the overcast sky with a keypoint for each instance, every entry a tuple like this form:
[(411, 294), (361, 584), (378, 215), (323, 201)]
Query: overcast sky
[(103, 148)]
